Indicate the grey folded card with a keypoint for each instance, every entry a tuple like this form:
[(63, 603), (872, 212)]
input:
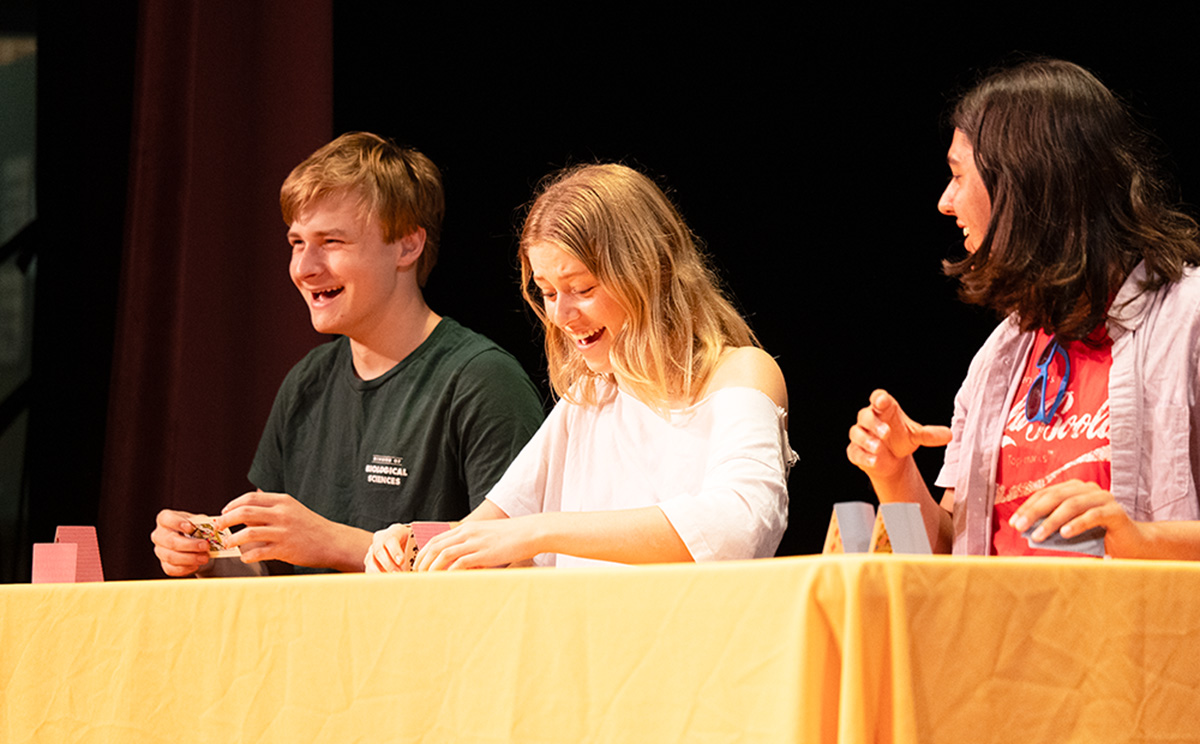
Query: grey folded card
[(1090, 542)]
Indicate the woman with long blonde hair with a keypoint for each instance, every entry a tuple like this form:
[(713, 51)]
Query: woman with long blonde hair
[(668, 442)]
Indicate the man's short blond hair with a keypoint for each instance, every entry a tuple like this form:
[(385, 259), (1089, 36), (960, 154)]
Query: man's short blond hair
[(396, 185)]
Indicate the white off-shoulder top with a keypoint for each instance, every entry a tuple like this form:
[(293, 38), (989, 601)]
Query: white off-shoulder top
[(717, 469)]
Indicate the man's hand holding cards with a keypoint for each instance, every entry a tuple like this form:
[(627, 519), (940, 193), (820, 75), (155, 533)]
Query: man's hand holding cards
[(179, 552)]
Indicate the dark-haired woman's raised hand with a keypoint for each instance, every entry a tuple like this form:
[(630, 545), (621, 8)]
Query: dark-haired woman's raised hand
[(885, 436), (882, 444)]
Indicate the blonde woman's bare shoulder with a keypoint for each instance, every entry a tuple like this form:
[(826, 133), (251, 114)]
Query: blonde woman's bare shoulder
[(749, 366)]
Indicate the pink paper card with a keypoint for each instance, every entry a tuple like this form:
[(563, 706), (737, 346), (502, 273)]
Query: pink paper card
[(54, 563), (423, 532), (88, 566)]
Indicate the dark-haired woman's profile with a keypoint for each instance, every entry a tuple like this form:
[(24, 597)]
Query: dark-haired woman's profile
[(1082, 409)]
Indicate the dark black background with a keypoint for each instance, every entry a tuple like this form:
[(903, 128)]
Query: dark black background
[(806, 148), (807, 153)]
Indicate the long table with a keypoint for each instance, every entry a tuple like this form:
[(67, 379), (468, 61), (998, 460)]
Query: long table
[(845, 648)]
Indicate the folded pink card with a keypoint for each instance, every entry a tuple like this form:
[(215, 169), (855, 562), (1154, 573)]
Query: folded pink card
[(54, 563)]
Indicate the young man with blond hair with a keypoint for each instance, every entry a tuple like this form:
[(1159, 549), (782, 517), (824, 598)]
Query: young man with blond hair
[(406, 416)]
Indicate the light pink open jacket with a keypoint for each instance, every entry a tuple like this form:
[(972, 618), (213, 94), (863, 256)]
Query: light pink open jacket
[(1154, 425)]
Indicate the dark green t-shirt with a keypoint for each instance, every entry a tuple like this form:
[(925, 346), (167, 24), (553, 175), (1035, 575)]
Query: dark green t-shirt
[(425, 441)]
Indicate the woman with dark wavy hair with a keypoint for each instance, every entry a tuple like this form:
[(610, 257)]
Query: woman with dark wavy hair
[(1080, 411), (669, 440)]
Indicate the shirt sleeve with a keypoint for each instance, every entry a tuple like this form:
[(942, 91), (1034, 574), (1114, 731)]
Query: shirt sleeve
[(977, 375), (741, 508), (497, 410), (266, 471), (948, 476), (523, 489)]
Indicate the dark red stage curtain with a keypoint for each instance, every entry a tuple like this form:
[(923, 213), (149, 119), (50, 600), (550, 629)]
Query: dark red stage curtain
[(229, 96)]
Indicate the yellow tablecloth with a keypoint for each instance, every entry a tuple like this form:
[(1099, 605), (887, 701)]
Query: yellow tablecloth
[(865, 648)]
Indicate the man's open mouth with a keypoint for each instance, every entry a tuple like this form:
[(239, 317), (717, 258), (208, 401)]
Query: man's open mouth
[(327, 294)]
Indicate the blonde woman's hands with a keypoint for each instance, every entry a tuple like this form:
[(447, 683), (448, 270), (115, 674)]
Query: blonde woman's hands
[(488, 543), (392, 549)]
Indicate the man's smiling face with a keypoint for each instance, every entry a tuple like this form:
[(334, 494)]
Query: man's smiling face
[(346, 273)]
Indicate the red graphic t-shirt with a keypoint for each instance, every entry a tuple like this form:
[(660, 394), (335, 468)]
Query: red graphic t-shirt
[(1074, 445)]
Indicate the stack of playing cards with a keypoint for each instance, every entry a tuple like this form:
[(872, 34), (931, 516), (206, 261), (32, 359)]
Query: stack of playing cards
[(1090, 542), (203, 528)]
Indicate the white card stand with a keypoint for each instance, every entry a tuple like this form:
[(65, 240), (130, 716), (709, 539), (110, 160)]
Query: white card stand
[(899, 528), (849, 528)]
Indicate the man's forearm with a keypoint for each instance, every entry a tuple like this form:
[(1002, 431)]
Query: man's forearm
[(345, 552)]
